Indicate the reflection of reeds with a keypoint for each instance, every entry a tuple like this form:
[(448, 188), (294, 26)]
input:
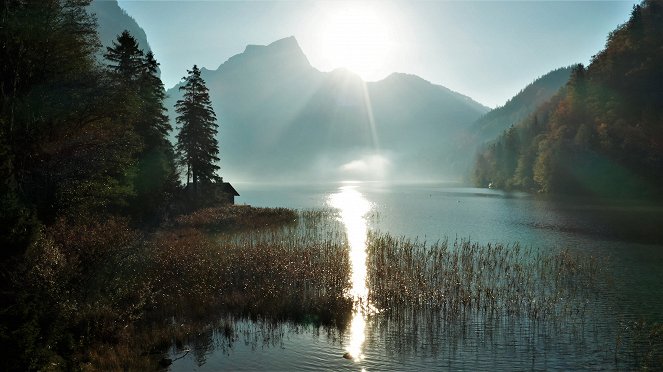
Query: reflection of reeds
[(442, 297), (267, 272), (639, 343)]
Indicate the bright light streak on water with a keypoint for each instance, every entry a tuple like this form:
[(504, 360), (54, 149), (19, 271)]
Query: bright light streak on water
[(353, 208)]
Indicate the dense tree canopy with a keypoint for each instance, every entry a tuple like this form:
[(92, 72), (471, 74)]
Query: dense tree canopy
[(81, 144), (138, 97), (602, 134)]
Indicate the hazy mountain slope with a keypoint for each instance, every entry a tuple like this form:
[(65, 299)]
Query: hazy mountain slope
[(491, 125), (281, 119), (523, 104), (602, 134), (112, 20)]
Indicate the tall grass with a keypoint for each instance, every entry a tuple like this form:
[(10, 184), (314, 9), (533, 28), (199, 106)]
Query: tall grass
[(118, 298), (464, 277), (102, 285), (228, 217), (274, 273)]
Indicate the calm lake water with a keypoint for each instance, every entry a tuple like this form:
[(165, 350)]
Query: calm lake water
[(630, 234)]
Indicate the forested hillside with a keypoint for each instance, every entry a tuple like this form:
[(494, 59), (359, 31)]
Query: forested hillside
[(602, 134), (491, 125), (520, 106)]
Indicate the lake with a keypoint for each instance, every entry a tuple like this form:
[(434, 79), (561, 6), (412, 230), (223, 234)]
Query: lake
[(629, 234)]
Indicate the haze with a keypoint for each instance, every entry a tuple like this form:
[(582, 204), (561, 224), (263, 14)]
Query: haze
[(486, 50)]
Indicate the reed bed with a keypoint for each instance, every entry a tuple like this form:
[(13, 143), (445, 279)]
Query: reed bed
[(232, 217), (293, 272), (260, 273), (445, 298), (463, 277)]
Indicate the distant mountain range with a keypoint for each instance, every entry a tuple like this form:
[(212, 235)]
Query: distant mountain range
[(283, 120)]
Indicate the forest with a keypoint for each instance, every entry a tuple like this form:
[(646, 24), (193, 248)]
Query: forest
[(87, 173), (601, 134)]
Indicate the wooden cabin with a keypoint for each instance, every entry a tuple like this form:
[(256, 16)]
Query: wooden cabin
[(228, 192), (214, 193)]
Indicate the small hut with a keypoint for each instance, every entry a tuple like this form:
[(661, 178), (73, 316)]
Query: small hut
[(227, 192), (211, 193)]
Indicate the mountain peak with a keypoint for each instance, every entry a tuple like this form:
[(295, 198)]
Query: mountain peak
[(284, 51), (401, 76), (289, 42), (286, 44)]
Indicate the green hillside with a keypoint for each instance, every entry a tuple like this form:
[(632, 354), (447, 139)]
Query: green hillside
[(602, 135)]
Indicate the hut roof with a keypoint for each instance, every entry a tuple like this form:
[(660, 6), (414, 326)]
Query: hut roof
[(227, 187)]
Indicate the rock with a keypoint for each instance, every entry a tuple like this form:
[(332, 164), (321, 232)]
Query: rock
[(165, 362)]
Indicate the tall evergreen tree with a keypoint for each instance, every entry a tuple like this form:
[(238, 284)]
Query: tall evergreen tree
[(197, 147), (126, 58), (139, 99), (157, 176)]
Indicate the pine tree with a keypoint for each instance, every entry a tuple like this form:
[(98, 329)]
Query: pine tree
[(197, 147), (157, 177), (139, 100), (126, 57)]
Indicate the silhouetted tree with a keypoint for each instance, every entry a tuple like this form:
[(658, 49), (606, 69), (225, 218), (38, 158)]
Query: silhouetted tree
[(197, 147), (139, 97)]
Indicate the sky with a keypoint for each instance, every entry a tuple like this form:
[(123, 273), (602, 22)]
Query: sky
[(487, 50)]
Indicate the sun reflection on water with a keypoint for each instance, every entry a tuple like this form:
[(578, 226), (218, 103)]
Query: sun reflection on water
[(353, 208)]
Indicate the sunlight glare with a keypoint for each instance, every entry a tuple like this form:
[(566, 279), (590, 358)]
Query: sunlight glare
[(353, 208), (356, 37)]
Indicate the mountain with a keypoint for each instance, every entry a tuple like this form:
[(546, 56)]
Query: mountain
[(112, 20), (523, 104), (602, 134), (490, 126), (283, 120)]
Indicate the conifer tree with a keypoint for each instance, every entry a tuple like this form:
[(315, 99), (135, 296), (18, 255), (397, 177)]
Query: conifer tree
[(139, 100), (126, 57), (157, 176), (197, 147)]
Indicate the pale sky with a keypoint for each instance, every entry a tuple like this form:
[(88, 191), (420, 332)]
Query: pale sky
[(488, 50)]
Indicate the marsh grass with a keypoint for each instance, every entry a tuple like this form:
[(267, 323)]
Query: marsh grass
[(462, 278), (235, 217), (218, 274), (274, 273), (107, 292)]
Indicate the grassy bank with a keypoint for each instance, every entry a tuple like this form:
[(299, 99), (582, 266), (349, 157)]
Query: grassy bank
[(103, 295)]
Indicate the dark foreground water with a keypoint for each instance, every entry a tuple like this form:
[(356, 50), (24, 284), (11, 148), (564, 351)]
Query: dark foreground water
[(630, 234)]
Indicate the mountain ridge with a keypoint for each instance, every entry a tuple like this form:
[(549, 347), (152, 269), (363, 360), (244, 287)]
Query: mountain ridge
[(278, 115)]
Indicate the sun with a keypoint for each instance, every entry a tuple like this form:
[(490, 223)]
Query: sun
[(356, 37)]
